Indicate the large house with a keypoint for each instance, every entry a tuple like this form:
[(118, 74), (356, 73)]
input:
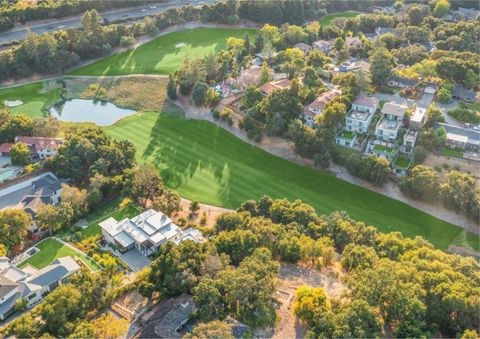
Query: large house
[(271, 86), (353, 42), (318, 105), (401, 82), (462, 93), (467, 13), (361, 114), (391, 121), (31, 284), (146, 232), (325, 46), (303, 47), (418, 118), (41, 148)]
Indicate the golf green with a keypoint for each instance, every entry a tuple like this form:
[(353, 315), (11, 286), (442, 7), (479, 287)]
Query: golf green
[(165, 54), (35, 98), (206, 163)]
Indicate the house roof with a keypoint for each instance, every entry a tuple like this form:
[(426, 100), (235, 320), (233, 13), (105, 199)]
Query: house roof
[(463, 92), (367, 101), (469, 13), (6, 286), (473, 137), (168, 317), (352, 41), (56, 271), (5, 148), (269, 87), (39, 143), (302, 46), (392, 108), (405, 81), (48, 184), (323, 99), (323, 44), (418, 114), (238, 329)]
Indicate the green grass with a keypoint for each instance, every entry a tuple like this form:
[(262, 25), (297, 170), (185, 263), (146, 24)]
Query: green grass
[(327, 20), (347, 135), (34, 102), (452, 153), (402, 162), (52, 249), (160, 56), (204, 162), (94, 229), (383, 149)]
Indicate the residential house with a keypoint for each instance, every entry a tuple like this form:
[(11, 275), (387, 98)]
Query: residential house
[(318, 105), (266, 56), (388, 126), (353, 42), (40, 147), (271, 86), (360, 65), (467, 13), (167, 318), (418, 118), (462, 93), (385, 10), (429, 46), (238, 329), (146, 232), (325, 46), (31, 284), (409, 140), (303, 47), (383, 30), (361, 114), (461, 137), (401, 82)]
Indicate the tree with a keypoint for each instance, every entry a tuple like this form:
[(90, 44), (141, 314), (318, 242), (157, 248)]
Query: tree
[(333, 115), (280, 108), (25, 326), (237, 244), (172, 88), (358, 257), (251, 97), (194, 206), (76, 198), (145, 185), (357, 319), (441, 8), (199, 93), (20, 154), (421, 183), (168, 203), (415, 16), (461, 193), (264, 74), (381, 65), (110, 327), (444, 94), (213, 330), (53, 217), (14, 226), (310, 301), (48, 127)]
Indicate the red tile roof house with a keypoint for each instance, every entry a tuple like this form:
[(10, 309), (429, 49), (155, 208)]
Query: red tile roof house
[(39, 146), (318, 105), (269, 87)]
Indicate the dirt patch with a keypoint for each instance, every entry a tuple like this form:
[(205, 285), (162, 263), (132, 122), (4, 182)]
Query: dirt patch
[(289, 279), (146, 93), (463, 165), (211, 213), (130, 304)]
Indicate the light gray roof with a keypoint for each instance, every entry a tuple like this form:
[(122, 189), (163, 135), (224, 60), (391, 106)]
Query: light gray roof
[(6, 286), (59, 269), (392, 108), (473, 137)]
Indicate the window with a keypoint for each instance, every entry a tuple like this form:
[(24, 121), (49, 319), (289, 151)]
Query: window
[(31, 296)]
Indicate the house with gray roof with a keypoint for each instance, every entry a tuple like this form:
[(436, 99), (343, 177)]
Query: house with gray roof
[(460, 137), (462, 93), (31, 284), (467, 13)]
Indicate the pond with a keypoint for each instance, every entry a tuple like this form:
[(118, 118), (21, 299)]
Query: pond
[(101, 113)]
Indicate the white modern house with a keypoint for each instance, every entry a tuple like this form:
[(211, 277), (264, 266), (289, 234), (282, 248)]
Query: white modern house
[(361, 115), (388, 126), (31, 284), (146, 232), (418, 118)]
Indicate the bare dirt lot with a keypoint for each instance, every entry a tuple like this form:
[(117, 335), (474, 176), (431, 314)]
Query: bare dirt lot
[(462, 165), (289, 279), (211, 212)]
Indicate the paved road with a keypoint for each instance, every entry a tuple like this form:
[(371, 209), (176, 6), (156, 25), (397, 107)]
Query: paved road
[(19, 33)]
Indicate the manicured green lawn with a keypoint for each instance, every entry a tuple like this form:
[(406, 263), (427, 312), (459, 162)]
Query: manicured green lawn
[(160, 56), (402, 162), (452, 153), (204, 162), (347, 135), (384, 149), (93, 228), (34, 102), (328, 19), (52, 249)]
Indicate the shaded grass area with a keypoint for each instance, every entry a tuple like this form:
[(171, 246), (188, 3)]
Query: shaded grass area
[(204, 162), (161, 56), (104, 213), (52, 249), (453, 153), (327, 20), (35, 100)]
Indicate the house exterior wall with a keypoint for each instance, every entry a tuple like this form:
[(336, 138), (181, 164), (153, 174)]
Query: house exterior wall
[(356, 125), (386, 134)]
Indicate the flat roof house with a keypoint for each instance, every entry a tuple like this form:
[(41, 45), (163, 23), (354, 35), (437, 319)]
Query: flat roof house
[(418, 118), (391, 121), (318, 105), (146, 232), (361, 114), (31, 284), (325, 46), (271, 86), (461, 137)]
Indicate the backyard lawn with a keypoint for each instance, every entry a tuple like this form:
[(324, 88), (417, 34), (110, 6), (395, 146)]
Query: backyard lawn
[(328, 19), (165, 54), (204, 162), (52, 249), (35, 99)]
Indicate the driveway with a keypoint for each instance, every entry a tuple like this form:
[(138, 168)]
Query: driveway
[(134, 259), (424, 101)]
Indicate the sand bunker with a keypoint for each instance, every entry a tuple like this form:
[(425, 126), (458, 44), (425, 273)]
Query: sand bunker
[(13, 103)]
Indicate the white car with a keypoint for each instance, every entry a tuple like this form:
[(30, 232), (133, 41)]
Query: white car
[(153, 7), (143, 10), (477, 128), (61, 27)]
